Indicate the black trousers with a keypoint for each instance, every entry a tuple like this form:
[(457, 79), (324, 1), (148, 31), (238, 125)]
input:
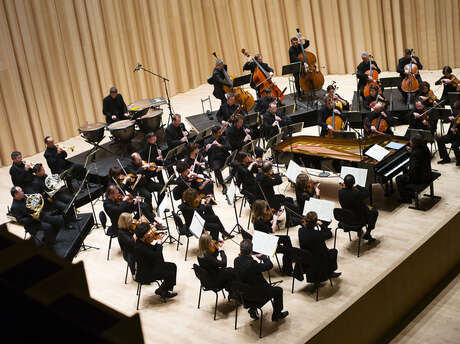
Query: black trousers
[(167, 272), (372, 216), (216, 165), (277, 294), (449, 138), (51, 224), (297, 84), (402, 181), (284, 246), (225, 278), (332, 260), (213, 225)]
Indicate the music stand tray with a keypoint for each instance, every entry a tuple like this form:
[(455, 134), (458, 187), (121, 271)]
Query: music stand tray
[(426, 134), (251, 119), (453, 97), (392, 81), (292, 68), (242, 80), (175, 151)]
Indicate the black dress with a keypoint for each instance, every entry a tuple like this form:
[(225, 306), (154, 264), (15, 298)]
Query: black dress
[(217, 269)]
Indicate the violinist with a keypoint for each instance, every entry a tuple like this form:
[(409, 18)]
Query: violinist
[(264, 220), (452, 136), (266, 180), (176, 134), (340, 103), (362, 68), (273, 121), (144, 185), (294, 51), (202, 181), (450, 82), (191, 202), (251, 66), (218, 80), (151, 153), (427, 96), (373, 97), (249, 271), (151, 265), (209, 251), (376, 120), (127, 239), (419, 171), (245, 169), (217, 152), (326, 111), (323, 264), (419, 118), (21, 173), (187, 180), (227, 109), (352, 197), (405, 60), (116, 177)]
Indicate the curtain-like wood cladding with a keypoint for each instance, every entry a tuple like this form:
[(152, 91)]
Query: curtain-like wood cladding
[(58, 58)]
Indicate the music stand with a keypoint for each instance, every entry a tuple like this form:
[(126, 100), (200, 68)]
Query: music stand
[(248, 146), (201, 135), (453, 97), (389, 82), (292, 68), (242, 80), (174, 152), (251, 119)]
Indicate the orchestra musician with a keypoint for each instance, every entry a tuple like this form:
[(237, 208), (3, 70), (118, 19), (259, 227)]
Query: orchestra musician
[(362, 68), (340, 103), (217, 151), (202, 181), (209, 251), (20, 172), (452, 136), (263, 102), (450, 82), (127, 239), (175, 132), (218, 80), (151, 152), (246, 167), (427, 96), (273, 121), (191, 202), (48, 222), (144, 185), (420, 119), (227, 109), (419, 171), (373, 97), (294, 51), (377, 112), (326, 111), (250, 272), (114, 107), (251, 66), (405, 60), (265, 221), (324, 260), (352, 197), (151, 265), (237, 135)]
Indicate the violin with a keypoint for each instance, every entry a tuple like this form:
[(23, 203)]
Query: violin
[(242, 97), (310, 78), (262, 80), (123, 178), (374, 82), (151, 166), (215, 245), (131, 198)]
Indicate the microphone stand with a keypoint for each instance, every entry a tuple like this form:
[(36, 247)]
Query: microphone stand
[(166, 90)]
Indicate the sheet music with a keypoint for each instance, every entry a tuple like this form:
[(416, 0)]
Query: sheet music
[(264, 243), (377, 152), (360, 174), (324, 209), (394, 145), (196, 227), (293, 171), (231, 193), (163, 205)]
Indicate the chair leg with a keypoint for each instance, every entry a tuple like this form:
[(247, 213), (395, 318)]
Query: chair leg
[(349, 235), (330, 280), (261, 319), (249, 218), (359, 243), (110, 245), (335, 236), (139, 296), (178, 243), (186, 249), (278, 261), (215, 306), (317, 292), (292, 289), (236, 313), (126, 275), (223, 293), (242, 205), (199, 297)]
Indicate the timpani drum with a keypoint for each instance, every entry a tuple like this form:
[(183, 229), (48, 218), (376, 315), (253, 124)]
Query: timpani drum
[(139, 108), (93, 132), (151, 121), (123, 130)]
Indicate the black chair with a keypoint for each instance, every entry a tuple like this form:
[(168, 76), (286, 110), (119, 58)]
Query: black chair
[(207, 284), (107, 231), (250, 297), (418, 188), (302, 259), (342, 216), (182, 229), (127, 256), (139, 287)]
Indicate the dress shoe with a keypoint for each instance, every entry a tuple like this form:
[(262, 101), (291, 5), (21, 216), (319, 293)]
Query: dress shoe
[(228, 236), (444, 161), (367, 236), (253, 313), (170, 295), (335, 274), (282, 315)]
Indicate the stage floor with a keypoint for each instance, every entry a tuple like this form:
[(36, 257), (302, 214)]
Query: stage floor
[(398, 230)]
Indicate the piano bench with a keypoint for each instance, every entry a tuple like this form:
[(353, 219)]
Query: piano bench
[(418, 188)]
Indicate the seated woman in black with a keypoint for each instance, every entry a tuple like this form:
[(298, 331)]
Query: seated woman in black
[(246, 169), (195, 161), (151, 265), (209, 251), (324, 260), (191, 202), (127, 240), (264, 221)]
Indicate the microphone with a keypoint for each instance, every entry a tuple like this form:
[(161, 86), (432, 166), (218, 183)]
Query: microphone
[(139, 66)]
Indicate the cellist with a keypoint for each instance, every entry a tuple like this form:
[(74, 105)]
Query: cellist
[(450, 82), (218, 80), (362, 68), (382, 120), (405, 60), (326, 111), (294, 51), (251, 66)]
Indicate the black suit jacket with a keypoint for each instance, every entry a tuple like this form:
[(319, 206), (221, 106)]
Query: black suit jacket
[(113, 107), (225, 111), (295, 51), (247, 179), (404, 61), (211, 263), (21, 177), (114, 211), (149, 260), (22, 213), (218, 80), (215, 152), (57, 161), (353, 200), (250, 271), (144, 152), (267, 184), (361, 72), (204, 210), (174, 135), (235, 137), (269, 119), (420, 165)]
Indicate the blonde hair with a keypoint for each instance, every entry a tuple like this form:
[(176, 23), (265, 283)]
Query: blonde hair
[(125, 220), (204, 244)]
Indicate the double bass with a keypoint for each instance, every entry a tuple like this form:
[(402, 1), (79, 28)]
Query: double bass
[(410, 83), (242, 97), (262, 80), (374, 82), (311, 78)]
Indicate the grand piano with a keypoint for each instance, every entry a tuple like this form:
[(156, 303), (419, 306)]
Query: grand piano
[(350, 152)]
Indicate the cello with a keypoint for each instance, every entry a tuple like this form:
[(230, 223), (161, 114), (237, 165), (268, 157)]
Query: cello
[(374, 82), (262, 80), (242, 97), (410, 83), (311, 78), (335, 121)]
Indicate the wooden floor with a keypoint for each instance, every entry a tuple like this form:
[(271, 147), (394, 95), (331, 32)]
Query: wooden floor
[(398, 229)]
